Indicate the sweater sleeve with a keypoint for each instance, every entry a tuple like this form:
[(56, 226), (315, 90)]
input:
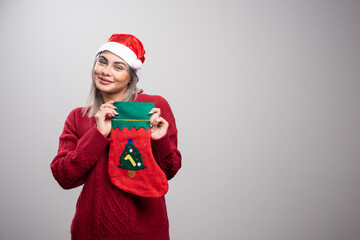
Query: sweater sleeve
[(76, 155), (165, 149)]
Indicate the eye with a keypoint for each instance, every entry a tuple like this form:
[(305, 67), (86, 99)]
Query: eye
[(119, 68), (102, 62)]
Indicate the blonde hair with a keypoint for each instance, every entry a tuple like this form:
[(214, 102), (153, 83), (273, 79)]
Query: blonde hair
[(95, 99)]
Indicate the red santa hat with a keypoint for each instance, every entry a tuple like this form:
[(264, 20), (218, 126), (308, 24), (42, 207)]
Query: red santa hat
[(128, 47)]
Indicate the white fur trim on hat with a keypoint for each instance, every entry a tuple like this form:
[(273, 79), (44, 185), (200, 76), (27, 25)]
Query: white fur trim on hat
[(137, 64)]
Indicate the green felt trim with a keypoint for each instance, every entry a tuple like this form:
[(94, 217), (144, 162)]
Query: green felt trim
[(132, 114)]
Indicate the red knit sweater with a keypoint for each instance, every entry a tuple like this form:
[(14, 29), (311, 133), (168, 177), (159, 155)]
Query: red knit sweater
[(104, 211)]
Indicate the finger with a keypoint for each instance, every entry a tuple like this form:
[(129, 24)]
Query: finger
[(155, 110), (107, 105), (110, 102), (108, 113), (161, 122), (160, 129), (106, 109), (154, 120), (155, 114), (112, 112)]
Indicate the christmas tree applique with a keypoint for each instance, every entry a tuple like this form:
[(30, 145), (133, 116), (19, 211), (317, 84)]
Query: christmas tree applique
[(130, 159)]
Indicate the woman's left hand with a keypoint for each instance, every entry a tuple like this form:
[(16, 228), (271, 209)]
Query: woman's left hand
[(159, 125)]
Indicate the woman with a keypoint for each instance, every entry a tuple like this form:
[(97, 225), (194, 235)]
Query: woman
[(103, 210)]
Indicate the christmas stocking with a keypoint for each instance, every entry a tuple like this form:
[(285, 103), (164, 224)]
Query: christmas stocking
[(132, 166)]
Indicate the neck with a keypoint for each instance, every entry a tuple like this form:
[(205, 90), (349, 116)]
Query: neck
[(116, 96)]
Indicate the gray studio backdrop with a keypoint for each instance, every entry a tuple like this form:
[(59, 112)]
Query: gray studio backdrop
[(266, 95)]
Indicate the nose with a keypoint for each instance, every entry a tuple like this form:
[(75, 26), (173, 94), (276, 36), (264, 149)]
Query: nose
[(106, 71)]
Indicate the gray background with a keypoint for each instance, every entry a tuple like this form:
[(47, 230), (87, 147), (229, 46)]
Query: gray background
[(266, 95)]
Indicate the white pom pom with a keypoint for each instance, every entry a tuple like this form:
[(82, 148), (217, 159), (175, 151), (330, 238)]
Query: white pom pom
[(137, 64)]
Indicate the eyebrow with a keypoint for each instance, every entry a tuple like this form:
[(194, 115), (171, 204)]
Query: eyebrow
[(121, 63)]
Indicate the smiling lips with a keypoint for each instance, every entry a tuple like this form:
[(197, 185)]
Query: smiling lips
[(104, 81)]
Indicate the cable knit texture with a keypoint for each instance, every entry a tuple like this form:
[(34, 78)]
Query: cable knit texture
[(103, 211)]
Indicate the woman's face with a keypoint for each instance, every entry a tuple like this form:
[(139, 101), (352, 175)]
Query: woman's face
[(111, 75)]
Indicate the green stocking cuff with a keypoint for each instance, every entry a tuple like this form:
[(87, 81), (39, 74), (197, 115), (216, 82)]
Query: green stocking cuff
[(138, 116)]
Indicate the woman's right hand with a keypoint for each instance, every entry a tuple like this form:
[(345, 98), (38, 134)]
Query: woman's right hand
[(103, 117)]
